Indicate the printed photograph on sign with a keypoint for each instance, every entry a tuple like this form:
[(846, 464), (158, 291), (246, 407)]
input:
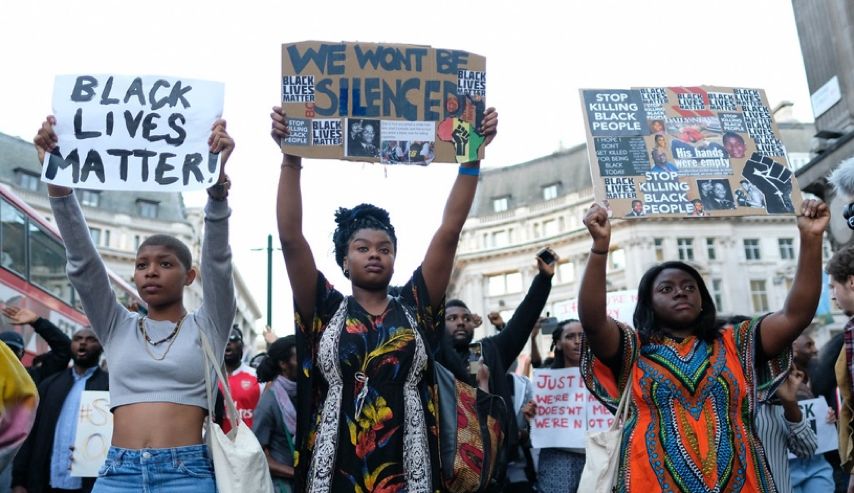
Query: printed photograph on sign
[(699, 151), (407, 142), (124, 132), (363, 84), (363, 138)]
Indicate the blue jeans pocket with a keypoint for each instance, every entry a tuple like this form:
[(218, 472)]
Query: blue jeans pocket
[(197, 468), (108, 468)]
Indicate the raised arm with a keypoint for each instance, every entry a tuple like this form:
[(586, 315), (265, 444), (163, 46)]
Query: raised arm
[(57, 358), (439, 260), (780, 329), (602, 333), (299, 261)]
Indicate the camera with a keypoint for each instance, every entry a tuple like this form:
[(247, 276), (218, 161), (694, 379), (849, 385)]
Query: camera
[(848, 214)]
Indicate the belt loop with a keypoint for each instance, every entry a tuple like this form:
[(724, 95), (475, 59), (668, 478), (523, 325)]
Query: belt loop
[(175, 459), (120, 452)]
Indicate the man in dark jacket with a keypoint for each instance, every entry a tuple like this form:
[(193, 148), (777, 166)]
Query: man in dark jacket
[(53, 361), (501, 350), (42, 465)]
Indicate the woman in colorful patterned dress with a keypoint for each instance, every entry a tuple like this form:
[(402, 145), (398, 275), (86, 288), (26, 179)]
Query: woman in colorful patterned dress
[(693, 386), (365, 418)]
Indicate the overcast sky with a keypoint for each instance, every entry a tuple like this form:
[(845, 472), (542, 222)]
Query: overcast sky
[(537, 59)]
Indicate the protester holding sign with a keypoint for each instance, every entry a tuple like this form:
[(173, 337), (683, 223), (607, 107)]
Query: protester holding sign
[(693, 386), (365, 417), (560, 469), (157, 389)]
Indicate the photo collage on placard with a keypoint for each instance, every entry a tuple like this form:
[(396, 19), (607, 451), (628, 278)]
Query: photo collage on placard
[(687, 152)]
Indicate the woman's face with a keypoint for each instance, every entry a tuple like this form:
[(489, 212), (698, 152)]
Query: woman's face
[(370, 258), (290, 369), (676, 300), (570, 343)]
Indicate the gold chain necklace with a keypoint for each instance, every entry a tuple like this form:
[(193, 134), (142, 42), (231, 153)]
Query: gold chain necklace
[(171, 338)]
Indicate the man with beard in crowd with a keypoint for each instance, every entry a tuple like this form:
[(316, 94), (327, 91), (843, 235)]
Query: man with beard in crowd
[(245, 389), (501, 350), (43, 463)]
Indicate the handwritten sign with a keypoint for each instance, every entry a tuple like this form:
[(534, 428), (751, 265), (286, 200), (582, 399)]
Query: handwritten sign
[(565, 410), (121, 132), (94, 433), (392, 103), (687, 152), (620, 305), (815, 414)]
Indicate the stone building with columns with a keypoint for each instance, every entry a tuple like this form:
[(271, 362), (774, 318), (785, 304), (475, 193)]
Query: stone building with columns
[(748, 262)]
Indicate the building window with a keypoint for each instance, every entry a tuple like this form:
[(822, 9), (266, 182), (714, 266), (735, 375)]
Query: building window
[(686, 248), (566, 272), (146, 208), (90, 198), (710, 249), (617, 258), (28, 181), (759, 296), (550, 228), (106, 237), (550, 191), (787, 248), (751, 249), (659, 249), (826, 250), (499, 239), (136, 241), (505, 283), (718, 293), (500, 204), (95, 233)]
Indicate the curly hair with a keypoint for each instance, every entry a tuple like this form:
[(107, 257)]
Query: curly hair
[(841, 265), (645, 320), (363, 216)]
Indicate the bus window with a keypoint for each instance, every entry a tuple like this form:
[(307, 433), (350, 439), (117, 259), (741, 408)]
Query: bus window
[(12, 239), (47, 264)]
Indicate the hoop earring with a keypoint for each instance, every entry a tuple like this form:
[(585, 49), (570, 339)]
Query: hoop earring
[(347, 273)]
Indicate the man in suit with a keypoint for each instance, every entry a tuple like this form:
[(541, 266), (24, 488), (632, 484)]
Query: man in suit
[(42, 465), (637, 209), (718, 199)]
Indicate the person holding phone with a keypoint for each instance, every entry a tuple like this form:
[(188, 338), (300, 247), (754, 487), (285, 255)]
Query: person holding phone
[(501, 350)]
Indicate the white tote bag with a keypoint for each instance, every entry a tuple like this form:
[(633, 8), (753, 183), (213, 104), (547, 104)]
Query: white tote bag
[(240, 465), (603, 450)]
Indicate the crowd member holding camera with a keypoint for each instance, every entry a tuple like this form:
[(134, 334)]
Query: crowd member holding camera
[(501, 350)]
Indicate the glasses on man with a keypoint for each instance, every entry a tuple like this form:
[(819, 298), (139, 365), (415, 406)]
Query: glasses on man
[(235, 337)]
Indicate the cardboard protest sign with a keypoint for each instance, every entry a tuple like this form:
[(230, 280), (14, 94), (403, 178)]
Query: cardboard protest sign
[(389, 103), (565, 410), (815, 413), (620, 305), (121, 132), (94, 433), (687, 152)]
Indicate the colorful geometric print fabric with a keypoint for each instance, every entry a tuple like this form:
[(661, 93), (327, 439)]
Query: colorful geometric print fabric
[(690, 428), (371, 423)]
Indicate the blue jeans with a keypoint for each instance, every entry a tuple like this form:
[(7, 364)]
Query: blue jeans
[(811, 475), (153, 470)]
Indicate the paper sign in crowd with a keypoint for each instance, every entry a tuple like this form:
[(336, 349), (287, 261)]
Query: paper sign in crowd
[(392, 103), (565, 410), (94, 433), (687, 152), (120, 132)]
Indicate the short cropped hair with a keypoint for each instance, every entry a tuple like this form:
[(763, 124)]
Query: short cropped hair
[(172, 244)]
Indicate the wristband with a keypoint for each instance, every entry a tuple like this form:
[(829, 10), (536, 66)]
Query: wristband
[(469, 171), (599, 252)]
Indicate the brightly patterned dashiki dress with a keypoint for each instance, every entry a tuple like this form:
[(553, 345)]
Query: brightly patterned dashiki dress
[(367, 421), (690, 427)]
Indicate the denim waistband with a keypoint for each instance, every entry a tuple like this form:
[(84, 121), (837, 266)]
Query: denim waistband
[(158, 455)]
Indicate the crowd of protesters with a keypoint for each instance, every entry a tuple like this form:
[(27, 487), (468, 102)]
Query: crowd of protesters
[(345, 403)]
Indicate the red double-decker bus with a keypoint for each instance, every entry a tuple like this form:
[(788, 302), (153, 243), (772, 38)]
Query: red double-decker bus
[(32, 273)]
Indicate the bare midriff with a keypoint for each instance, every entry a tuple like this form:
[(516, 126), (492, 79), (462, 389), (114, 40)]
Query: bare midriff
[(157, 425)]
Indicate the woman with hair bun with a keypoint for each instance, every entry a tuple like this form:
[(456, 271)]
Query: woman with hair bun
[(275, 418), (366, 421)]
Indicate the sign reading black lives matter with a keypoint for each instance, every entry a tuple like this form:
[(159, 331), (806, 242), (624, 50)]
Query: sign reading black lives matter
[(391, 103), (121, 132), (687, 152)]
